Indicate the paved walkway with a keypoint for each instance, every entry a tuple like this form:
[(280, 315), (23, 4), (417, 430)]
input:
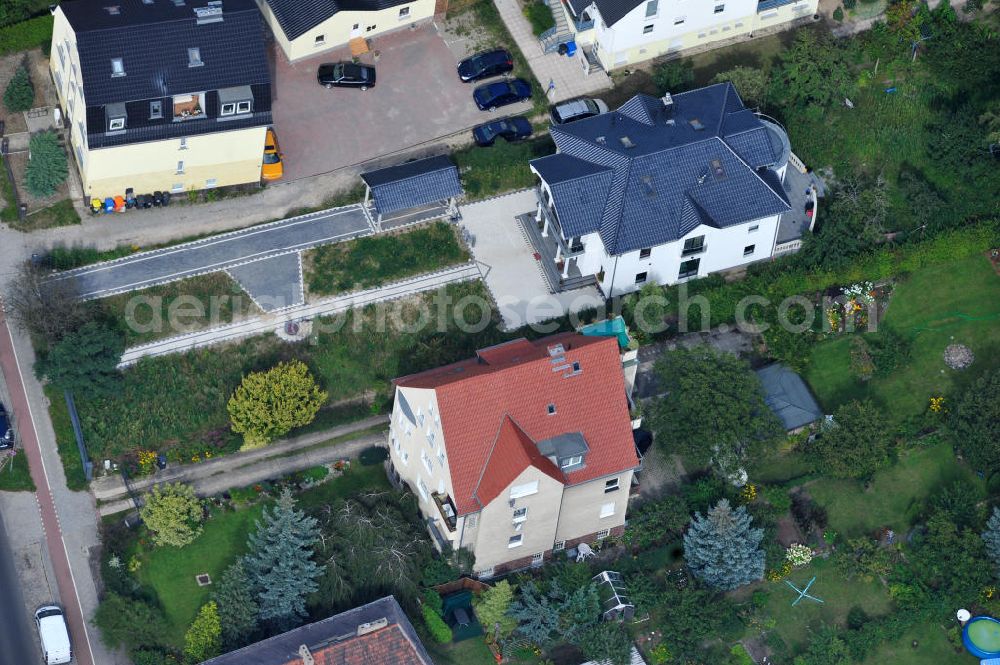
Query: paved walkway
[(47, 487), (510, 269), (326, 307), (221, 252), (565, 73), (242, 469)]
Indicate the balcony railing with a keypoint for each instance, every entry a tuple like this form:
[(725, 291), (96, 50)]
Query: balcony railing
[(691, 251), (582, 26), (447, 509)]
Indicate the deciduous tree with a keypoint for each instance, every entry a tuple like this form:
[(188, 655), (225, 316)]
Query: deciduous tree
[(270, 404), (238, 610), (751, 82), (280, 564), (855, 445), (814, 71), (173, 513), (722, 549), (129, 622), (713, 411), (203, 639), (492, 606), (974, 424), (49, 309), (607, 642), (47, 168)]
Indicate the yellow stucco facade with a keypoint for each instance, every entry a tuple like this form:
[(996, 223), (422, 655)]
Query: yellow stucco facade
[(346, 25), (176, 165)]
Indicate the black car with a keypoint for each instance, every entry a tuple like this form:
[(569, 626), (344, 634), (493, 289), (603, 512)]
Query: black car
[(346, 75), (511, 129), (6, 431), (486, 64), (501, 93)]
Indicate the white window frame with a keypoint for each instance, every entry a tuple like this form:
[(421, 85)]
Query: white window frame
[(184, 143), (441, 456), (515, 541), (537, 557), (575, 460), (559, 546), (177, 188), (405, 458), (156, 109), (243, 107), (180, 167), (427, 461), (608, 509), (603, 533), (612, 485), (719, 9), (524, 489), (116, 124), (320, 40), (753, 228), (227, 108), (679, 20), (749, 250), (655, 6), (404, 13), (211, 182), (647, 29), (117, 67), (422, 488), (520, 514)]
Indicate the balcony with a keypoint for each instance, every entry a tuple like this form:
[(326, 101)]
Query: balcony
[(188, 107), (447, 509)]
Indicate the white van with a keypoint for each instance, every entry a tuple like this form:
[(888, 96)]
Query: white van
[(52, 632)]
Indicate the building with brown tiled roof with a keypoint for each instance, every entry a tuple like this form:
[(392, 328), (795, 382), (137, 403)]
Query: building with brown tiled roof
[(374, 634), (520, 452)]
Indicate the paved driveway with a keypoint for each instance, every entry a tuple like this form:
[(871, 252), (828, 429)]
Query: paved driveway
[(219, 252), (418, 98), (509, 267)]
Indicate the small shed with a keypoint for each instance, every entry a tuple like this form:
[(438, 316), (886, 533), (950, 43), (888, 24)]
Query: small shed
[(615, 604), (788, 396), (431, 182), (635, 659)]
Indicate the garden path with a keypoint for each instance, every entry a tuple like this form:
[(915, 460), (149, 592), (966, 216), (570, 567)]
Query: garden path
[(246, 468)]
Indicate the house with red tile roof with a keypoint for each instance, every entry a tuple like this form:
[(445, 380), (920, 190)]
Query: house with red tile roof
[(520, 452), (374, 634)]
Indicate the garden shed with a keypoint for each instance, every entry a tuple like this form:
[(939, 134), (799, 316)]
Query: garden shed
[(788, 396), (615, 604)]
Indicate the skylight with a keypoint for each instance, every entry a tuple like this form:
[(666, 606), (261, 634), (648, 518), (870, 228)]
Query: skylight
[(117, 67), (696, 123), (194, 57)]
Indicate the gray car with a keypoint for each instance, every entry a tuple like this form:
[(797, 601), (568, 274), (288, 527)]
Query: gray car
[(577, 109), (6, 430)]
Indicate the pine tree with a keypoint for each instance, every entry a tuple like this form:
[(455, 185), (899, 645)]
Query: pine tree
[(992, 538), (280, 564), (237, 606), (721, 548)]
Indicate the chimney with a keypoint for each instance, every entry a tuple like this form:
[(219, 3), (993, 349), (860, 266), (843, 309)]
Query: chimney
[(372, 626), (668, 103), (306, 655)]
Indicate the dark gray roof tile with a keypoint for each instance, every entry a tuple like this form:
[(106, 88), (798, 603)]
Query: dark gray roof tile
[(413, 184), (297, 17)]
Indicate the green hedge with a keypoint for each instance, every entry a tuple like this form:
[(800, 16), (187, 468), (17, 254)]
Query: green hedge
[(26, 35), (438, 629)]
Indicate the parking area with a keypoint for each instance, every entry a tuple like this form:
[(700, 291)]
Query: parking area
[(417, 99)]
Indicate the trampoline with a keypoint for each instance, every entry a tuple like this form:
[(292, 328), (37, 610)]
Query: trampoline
[(981, 637)]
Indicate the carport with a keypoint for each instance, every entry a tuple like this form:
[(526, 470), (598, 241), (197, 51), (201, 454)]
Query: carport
[(414, 191)]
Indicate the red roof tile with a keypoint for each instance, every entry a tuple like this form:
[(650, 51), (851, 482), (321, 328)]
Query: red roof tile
[(388, 646), (516, 382)]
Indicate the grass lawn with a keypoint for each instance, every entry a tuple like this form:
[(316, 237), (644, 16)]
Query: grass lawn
[(837, 593), (16, 477), (500, 168), (896, 494), (469, 652), (69, 454), (179, 307), (375, 260), (933, 648), (934, 307), (171, 571), (58, 214)]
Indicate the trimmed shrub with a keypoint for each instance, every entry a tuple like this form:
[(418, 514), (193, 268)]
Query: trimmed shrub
[(47, 168), (26, 35), (20, 93), (838, 14), (438, 629)]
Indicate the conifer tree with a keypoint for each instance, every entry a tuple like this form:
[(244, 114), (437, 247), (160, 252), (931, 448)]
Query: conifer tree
[(722, 549), (237, 606), (280, 565), (992, 538)]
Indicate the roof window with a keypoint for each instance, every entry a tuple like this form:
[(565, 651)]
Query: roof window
[(696, 124), (194, 57), (626, 142), (113, 10), (717, 169), (551, 409), (117, 67)]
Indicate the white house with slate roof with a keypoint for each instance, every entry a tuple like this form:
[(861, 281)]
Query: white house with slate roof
[(169, 96), (623, 32), (304, 28), (663, 190)]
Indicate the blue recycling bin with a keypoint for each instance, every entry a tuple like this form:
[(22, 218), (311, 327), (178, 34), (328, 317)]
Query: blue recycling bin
[(570, 49)]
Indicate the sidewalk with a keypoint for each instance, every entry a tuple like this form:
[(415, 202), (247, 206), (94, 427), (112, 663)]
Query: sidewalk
[(565, 73), (242, 469), (270, 323)]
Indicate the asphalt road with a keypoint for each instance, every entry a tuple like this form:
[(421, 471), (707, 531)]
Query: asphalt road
[(17, 637), (219, 252)]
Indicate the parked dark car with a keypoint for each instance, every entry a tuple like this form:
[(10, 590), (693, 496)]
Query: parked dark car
[(501, 93), (486, 64), (511, 129), (346, 75), (6, 431)]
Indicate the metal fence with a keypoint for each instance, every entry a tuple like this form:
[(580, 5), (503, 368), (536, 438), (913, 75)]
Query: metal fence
[(88, 466)]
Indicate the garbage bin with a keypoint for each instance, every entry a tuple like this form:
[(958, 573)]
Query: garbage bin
[(571, 48)]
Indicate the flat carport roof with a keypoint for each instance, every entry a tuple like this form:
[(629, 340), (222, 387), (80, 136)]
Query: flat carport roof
[(413, 184)]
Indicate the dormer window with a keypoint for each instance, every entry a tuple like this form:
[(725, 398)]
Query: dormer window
[(155, 110), (194, 57), (117, 67), (116, 124), (235, 101), (551, 409), (116, 116), (569, 462)]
